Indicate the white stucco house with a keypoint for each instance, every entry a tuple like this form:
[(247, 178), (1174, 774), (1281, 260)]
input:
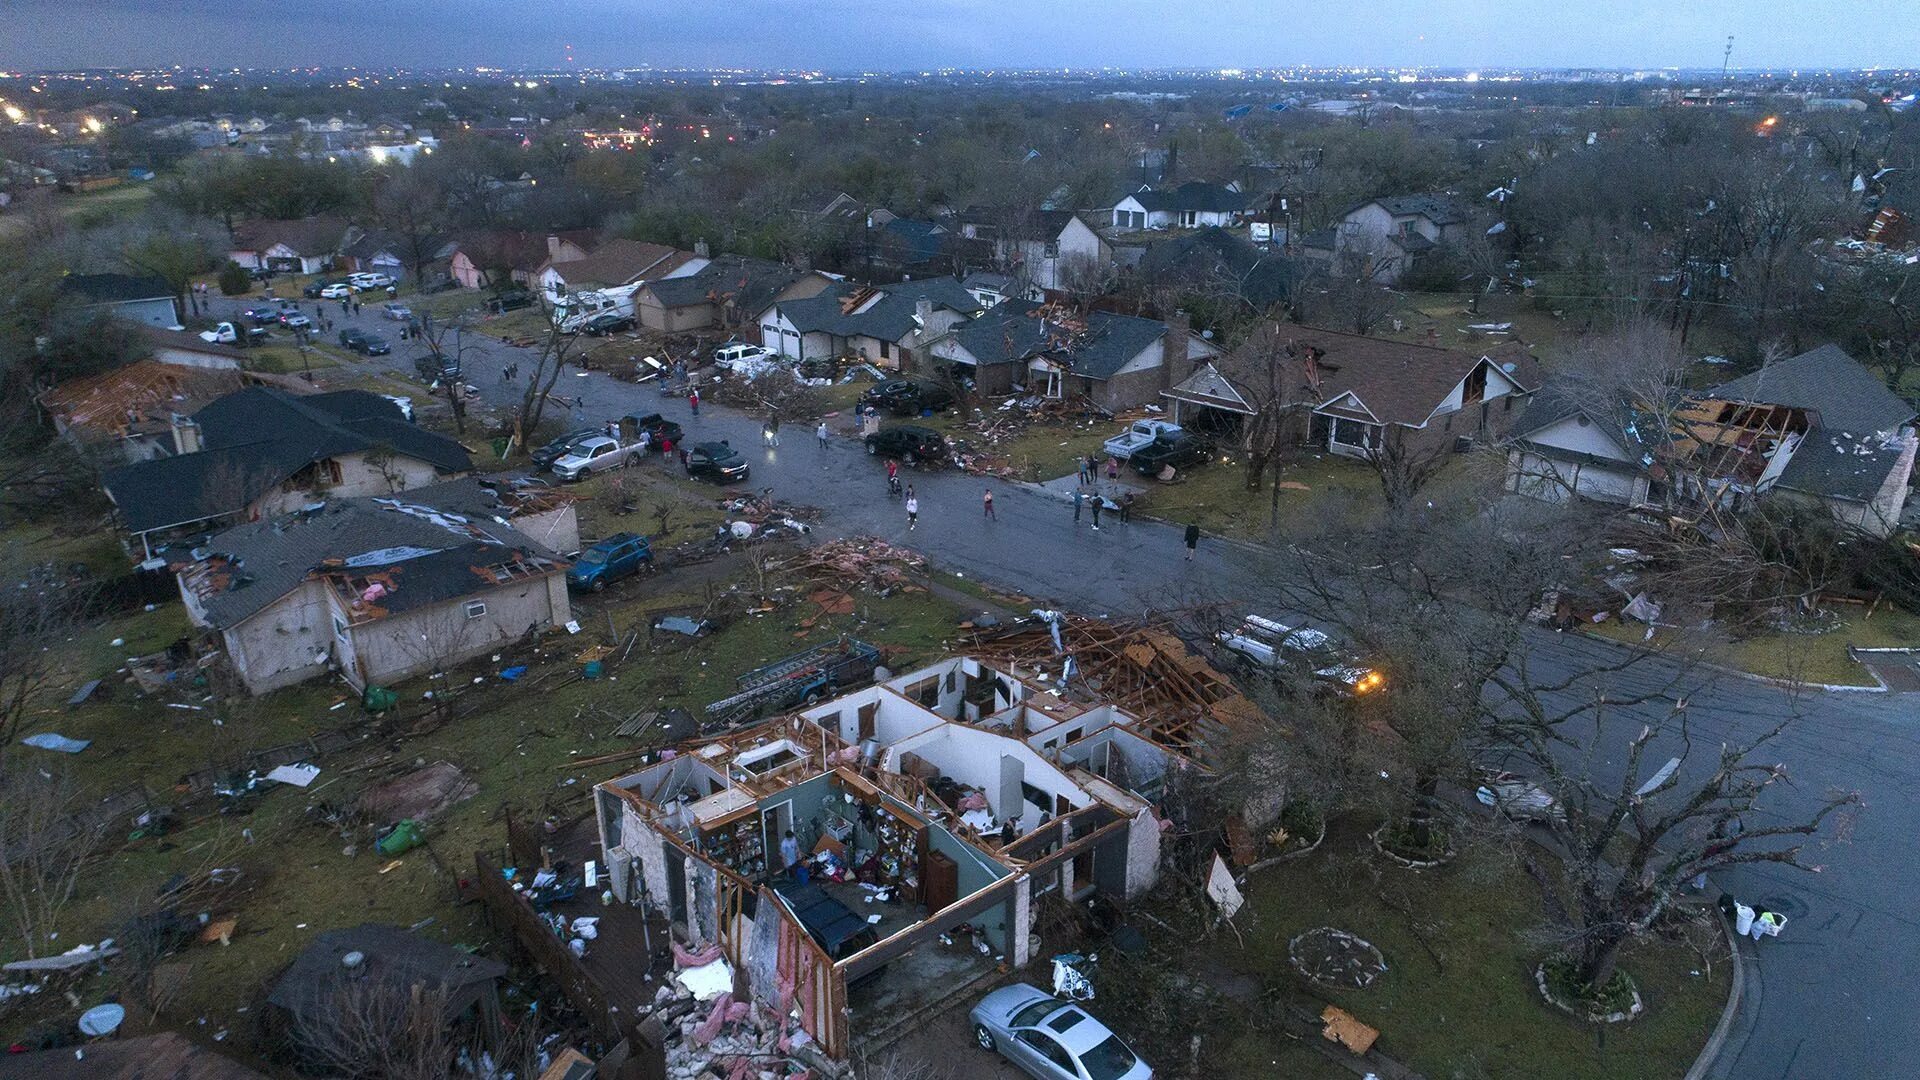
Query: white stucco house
[(1192, 205)]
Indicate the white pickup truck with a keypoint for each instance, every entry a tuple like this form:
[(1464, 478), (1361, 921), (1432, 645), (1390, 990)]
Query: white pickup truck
[(596, 454), (228, 334), (1138, 434)]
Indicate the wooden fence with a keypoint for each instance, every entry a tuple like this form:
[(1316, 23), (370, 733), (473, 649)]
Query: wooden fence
[(509, 910)]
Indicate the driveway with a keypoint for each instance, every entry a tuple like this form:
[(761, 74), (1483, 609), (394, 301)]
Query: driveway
[(1832, 995)]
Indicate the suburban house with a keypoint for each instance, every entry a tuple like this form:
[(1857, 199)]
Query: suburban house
[(1392, 233), (1819, 428), (497, 259), (1217, 262), (383, 252), (1116, 361), (989, 287), (1369, 389), (882, 324), (126, 414), (294, 246), (728, 293), (1192, 205), (909, 247), (146, 300), (262, 452), (377, 589), (614, 263), (947, 803), (1053, 249)]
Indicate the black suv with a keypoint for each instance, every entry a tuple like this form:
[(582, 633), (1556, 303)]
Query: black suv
[(608, 322), (1182, 450), (716, 461), (509, 301), (909, 441), (437, 368), (657, 427), (907, 397), (375, 345), (351, 337)]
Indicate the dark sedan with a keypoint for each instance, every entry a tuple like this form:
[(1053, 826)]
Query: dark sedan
[(608, 322), (372, 345), (718, 462), (909, 441), (546, 455), (907, 397)]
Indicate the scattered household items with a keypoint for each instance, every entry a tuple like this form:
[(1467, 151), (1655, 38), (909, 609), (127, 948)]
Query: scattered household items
[(861, 560), (1343, 1028), (298, 775), (1045, 1036), (102, 1020), (1072, 976), (404, 836)]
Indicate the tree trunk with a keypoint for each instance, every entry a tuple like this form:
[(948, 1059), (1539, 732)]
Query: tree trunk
[(1256, 468), (1600, 953)]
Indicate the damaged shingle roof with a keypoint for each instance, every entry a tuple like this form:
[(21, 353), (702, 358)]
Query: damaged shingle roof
[(430, 554), (1826, 381), (1018, 330), (750, 283), (254, 440), (890, 318)]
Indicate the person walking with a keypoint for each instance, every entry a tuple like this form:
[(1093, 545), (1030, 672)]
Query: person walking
[(1098, 501), (913, 510), (1126, 508), (987, 500), (773, 428), (1079, 497), (820, 434), (1193, 540), (693, 400), (1113, 468)]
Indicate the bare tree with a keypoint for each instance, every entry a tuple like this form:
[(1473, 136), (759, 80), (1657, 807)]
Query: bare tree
[(29, 618), (548, 366), (1351, 290), (46, 839), (1268, 371), (375, 1029)]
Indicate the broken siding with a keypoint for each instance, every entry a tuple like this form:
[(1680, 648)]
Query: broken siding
[(357, 477), (425, 639), (288, 641)]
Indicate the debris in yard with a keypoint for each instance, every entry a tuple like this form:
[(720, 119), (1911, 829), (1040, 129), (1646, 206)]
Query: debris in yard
[(1336, 959), (1342, 1027), (680, 624), (418, 796), (298, 775), (1221, 889), (707, 981), (220, 930), (86, 691), (59, 743), (861, 560)]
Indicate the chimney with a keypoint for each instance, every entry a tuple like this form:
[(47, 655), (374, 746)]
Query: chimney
[(186, 435), (700, 249), (553, 246), (923, 311), (1173, 350)]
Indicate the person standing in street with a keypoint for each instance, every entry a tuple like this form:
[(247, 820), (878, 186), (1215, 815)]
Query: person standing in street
[(1080, 470), (1096, 500), (913, 510), (820, 433), (1193, 540), (1079, 497), (987, 500), (693, 400), (773, 427), (1113, 468), (1126, 508)]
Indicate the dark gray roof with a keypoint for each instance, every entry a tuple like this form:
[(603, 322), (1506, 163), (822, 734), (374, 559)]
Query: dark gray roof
[(1018, 330), (1192, 195), (1840, 464), (1844, 395), (1215, 259), (889, 319), (255, 439), (1435, 208), (393, 956), (117, 288), (750, 283), (430, 550)]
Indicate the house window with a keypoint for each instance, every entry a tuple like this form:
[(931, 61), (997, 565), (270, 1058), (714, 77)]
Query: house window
[(926, 692), (1353, 433), (476, 608), (1052, 250), (886, 350)]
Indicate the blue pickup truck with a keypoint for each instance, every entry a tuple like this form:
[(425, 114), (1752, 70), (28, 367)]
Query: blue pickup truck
[(620, 555)]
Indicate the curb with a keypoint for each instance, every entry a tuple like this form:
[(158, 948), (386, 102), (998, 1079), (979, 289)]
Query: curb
[(1879, 687), (1717, 1042)]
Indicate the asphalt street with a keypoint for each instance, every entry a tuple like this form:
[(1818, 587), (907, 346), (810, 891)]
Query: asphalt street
[(1830, 997)]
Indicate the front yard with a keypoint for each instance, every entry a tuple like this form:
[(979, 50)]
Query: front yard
[(1812, 658)]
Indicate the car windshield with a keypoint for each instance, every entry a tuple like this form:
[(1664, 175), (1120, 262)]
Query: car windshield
[(1032, 1014), (1108, 1061), (593, 557)]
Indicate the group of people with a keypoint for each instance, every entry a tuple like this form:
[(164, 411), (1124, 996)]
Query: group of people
[(1090, 469)]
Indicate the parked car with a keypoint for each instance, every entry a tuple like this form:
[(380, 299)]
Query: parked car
[(655, 427), (597, 454), (436, 368), (336, 292), (608, 322), (618, 556), (375, 345), (293, 320), (509, 301), (396, 312), (314, 288), (1138, 434), (907, 397), (262, 314), (727, 357), (1052, 1039), (1183, 450), (545, 456), (370, 280), (1273, 644), (350, 337), (909, 441), (718, 462)]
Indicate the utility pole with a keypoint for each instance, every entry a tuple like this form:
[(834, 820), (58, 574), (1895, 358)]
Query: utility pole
[(1726, 61)]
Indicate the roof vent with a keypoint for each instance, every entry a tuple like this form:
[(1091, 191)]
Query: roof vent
[(354, 964), (1509, 367)]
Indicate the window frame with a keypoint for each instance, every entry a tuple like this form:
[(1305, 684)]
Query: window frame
[(469, 607)]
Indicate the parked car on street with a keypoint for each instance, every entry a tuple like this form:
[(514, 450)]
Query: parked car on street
[(1052, 1039), (718, 462), (336, 292), (293, 320), (1182, 451), (262, 314), (1138, 434), (592, 455), (907, 397), (909, 441), (396, 312), (1272, 644), (313, 289), (543, 457), (372, 345), (350, 337), (618, 556), (509, 301), (436, 368), (608, 322), (371, 280)]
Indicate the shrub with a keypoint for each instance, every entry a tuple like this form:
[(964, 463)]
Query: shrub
[(234, 279)]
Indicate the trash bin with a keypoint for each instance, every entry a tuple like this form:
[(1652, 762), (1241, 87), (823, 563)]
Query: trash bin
[(401, 837), (379, 699), (591, 670)]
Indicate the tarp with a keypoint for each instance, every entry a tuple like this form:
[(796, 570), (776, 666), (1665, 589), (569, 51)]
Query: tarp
[(50, 741)]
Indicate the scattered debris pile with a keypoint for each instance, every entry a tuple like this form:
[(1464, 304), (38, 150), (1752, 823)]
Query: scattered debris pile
[(861, 561)]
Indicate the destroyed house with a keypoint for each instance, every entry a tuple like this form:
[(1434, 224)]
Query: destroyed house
[(882, 325), (377, 589), (934, 813), (1116, 361), (263, 451), (1819, 428)]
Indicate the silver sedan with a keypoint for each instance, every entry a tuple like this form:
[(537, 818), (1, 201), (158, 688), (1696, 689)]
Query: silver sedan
[(1052, 1039)]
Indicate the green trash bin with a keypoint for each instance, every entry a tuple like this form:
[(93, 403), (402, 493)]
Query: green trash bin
[(379, 699), (401, 837)]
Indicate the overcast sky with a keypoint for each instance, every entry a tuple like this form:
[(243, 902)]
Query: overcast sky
[(905, 34)]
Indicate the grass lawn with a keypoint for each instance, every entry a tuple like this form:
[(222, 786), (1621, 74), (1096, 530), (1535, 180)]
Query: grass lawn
[(1045, 450), (1813, 658), (1460, 943), (1216, 497), (94, 208), (286, 359)]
